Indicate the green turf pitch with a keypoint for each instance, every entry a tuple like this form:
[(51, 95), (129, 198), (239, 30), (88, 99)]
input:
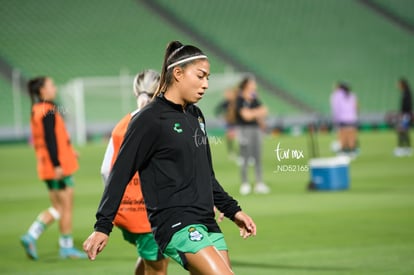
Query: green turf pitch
[(366, 230)]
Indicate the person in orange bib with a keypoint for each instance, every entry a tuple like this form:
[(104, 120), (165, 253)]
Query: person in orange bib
[(131, 217), (56, 162)]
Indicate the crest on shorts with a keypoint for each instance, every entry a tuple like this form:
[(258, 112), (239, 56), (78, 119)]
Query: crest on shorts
[(194, 235)]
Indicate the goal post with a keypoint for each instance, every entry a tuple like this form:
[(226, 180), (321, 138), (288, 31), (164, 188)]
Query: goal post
[(93, 105)]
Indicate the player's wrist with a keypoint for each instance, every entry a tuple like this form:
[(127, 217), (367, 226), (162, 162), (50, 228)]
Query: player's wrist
[(100, 232), (237, 215), (103, 228)]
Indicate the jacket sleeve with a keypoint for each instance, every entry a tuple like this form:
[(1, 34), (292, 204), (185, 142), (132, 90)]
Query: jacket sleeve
[(222, 200), (136, 149), (335, 102), (406, 103), (49, 121)]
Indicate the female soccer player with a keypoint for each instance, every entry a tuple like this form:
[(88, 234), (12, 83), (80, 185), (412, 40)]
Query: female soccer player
[(56, 162), (250, 116), (404, 120), (132, 216), (166, 143), (344, 107)]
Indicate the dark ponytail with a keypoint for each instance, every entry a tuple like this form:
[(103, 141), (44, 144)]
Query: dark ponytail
[(405, 87), (245, 80), (175, 52), (165, 78), (34, 85)]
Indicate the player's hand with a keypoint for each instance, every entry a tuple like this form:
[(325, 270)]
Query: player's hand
[(246, 225), (58, 172), (220, 216), (94, 244)]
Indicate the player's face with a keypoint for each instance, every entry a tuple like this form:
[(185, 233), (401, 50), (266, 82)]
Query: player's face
[(251, 88), (48, 91), (194, 81)]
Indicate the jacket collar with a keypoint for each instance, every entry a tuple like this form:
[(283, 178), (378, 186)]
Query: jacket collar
[(175, 106)]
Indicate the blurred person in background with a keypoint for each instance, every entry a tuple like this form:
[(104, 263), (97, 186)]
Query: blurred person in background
[(131, 217), (56, 162), (404, 120), (167, 143), (344, 108), (228, 108), (250, 120)]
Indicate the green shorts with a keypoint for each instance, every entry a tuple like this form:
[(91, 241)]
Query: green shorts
[(60, 184), (147, 248), (192, 239)]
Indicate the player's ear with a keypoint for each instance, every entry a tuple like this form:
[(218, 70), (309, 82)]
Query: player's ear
[(178, 73)]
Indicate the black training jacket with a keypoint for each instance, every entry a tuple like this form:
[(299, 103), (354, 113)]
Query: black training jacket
[(170, 150)]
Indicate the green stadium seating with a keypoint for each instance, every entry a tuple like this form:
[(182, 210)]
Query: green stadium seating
[(299, 45), (68, 39), (306, 46), (401, 8)]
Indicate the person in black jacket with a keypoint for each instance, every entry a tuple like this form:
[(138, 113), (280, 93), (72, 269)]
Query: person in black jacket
[(250, 121), (405, 116), (166, 142)]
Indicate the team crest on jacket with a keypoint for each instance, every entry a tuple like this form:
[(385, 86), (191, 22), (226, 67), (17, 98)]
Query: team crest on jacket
[(194, 235), (202, 125), (177, 128)]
